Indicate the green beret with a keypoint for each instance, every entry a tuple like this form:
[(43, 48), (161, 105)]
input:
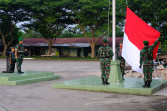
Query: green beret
[(121, 42), (145, 42), (105, 40), (20, 39)]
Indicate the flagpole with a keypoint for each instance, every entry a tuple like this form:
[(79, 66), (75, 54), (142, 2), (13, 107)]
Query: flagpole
[(115, 71), (113, 28), (108, 18)]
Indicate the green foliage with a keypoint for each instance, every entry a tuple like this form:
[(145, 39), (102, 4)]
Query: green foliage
[(95, 10), (11, 13), (49, 18), (120, 13), (16, 35), (67, 34), (92, 14), (164, 47), (119, 32), (31, 33)]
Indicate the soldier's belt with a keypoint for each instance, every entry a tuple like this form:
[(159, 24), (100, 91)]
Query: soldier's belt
[(105, 57), (148, 59), (20, 52)]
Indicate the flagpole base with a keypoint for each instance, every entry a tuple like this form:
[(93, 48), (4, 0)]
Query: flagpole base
[(115, 72)]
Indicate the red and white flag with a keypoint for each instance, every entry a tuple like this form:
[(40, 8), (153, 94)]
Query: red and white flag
[(137, 31)]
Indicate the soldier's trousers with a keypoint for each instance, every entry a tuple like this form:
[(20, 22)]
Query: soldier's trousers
[(105, 68), (147, 70), (122, 66), (19, 62)]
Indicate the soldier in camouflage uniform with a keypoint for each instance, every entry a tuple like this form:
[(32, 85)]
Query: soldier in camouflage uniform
[(121, 59), (19, 53), (105, 53), (146, 59)]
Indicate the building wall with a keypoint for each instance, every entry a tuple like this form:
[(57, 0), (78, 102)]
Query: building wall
[(65, 51), (76, 52), (96, 51), (82, 52), (73, 52)]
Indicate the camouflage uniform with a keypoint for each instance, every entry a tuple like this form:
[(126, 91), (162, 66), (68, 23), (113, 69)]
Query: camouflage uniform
[(20, 53), (146, 59), (121, 59), (13, 60), (105, 53)]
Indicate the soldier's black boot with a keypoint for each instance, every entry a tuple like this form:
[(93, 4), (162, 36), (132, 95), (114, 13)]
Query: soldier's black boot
[(145, 85), (123, 75), (148, 84), (20, 72), (107, 82), (103, 82)]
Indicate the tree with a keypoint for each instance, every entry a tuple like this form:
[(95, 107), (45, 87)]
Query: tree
[(31, 33), (119, 32), (11, 13), (68, 34), (90, 15), (50, 19), (6, 34)]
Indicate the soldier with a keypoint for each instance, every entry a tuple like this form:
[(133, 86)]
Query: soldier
[(105, 53), (12, 60), (146, 59), (19, 53), (121, 59)]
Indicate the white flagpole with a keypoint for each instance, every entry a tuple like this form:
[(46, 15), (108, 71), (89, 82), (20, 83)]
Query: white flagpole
[(113, 28), (115, 71), (109, 18)]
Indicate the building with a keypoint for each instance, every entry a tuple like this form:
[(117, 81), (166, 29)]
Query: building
[(64, 47)]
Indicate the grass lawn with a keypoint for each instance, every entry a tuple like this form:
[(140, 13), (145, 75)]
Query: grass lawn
[(62, 58)]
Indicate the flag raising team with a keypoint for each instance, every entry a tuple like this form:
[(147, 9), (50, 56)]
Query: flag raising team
[(146, 61)]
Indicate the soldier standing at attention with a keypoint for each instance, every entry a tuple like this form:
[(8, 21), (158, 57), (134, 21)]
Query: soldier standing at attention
[(146, 60), (105, 53), (19, 53), (121, 59)]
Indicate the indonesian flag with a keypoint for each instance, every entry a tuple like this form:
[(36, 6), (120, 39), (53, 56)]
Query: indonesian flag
[(137, 31)]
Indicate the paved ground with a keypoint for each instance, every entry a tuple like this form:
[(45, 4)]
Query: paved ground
[(42, 97)]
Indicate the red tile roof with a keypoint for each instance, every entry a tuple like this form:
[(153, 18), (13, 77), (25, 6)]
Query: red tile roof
[(68, 40)]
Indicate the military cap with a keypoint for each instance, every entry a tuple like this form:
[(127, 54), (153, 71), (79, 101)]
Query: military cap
[(121, 42), (145, 42), (105, 40), (20, 39)]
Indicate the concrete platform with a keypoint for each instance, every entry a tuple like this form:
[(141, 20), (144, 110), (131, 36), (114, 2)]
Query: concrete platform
[(26, 78), (128, 86)]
